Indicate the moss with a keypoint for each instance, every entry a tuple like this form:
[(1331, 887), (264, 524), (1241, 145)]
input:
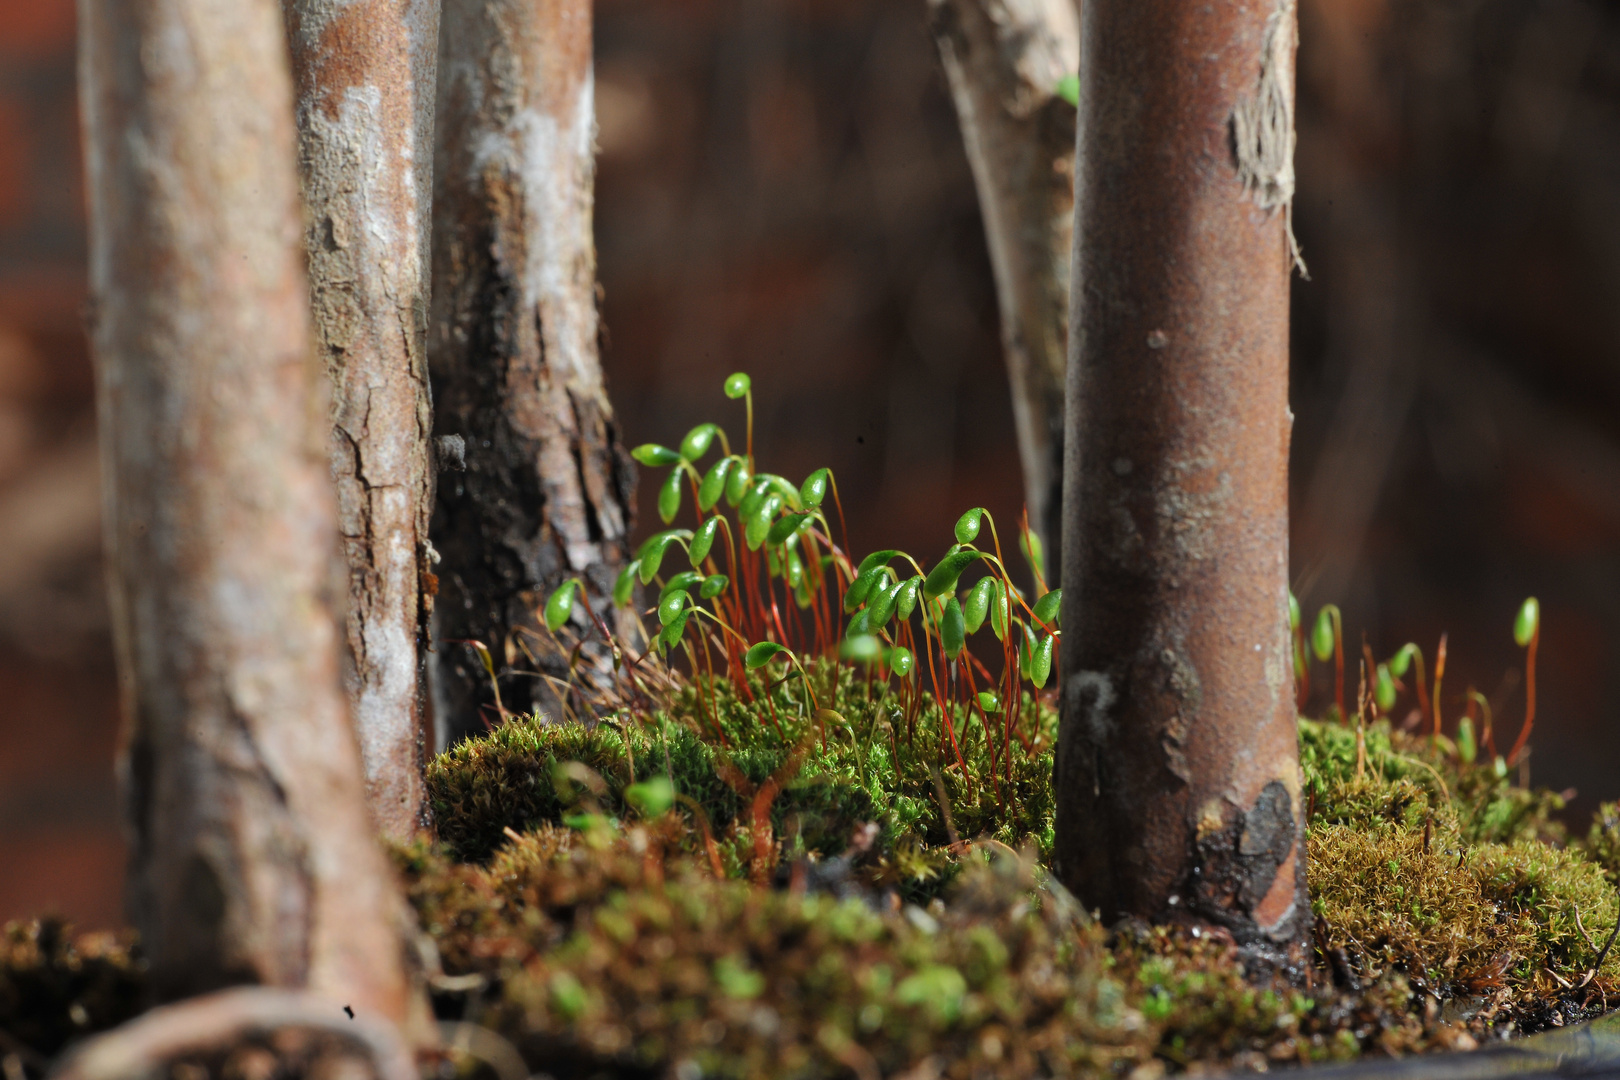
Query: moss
[(1408, 777), (1445, 901), (1450, 876), (865, 761), (55, 987), (1602, 844), (604, 956)]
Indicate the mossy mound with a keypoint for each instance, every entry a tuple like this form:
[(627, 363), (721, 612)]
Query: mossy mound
[(1454, 877), (605, 957), (807, 908), (866, 758), (1446, 906)]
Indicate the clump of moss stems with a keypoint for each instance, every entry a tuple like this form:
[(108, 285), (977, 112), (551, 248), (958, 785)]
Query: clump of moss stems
[(767, 591)]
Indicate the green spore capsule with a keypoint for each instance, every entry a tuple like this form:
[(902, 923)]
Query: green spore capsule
[(1384, 689), (907, 602), (737, 482), (1401, 662), (737, 384), (714, 482), (1040, 665), (1527, 622), (1047, 607), (653, 455), (977, 605), (861, 647), (762, 654), (967, 526), (1467, 749), (669, 497), (952, 632), (1322, 636), (698, 441), (814, 488), (671, 606), (625, 584), (703, 541), (560, 606)]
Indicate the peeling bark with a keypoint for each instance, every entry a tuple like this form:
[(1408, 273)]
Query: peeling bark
[(364, 76), (1178, 776), (1004, 59), (547, 490), (252, 856)]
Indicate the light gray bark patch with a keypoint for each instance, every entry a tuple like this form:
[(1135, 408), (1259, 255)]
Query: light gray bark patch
[(1263, 124)]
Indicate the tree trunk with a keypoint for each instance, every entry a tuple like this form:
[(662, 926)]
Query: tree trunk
[(1178, 776), (253, 858), (1004, 59), (364, 75), (547, 490)]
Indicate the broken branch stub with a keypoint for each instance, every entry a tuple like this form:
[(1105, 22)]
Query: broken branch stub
[(253, 858), (364, 77), (547, 491), (1178, 775), (1004, 60)]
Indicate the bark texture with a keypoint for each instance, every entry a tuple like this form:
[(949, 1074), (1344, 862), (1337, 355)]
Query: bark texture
[(547, 489), (252, 855), (1004, 59), (364, 76), (1178, 775)]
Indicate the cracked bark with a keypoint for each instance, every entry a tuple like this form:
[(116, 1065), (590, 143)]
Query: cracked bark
[(1004, 59), (548, 488), (364, 78), (1178, 776), (252, 857)]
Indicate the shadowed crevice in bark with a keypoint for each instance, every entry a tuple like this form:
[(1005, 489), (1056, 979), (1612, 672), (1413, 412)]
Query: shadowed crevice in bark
[(548, 488)]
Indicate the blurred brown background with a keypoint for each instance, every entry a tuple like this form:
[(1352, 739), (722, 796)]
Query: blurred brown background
[(782, 189)]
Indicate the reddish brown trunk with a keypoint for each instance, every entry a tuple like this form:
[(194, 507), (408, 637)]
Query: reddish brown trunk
[(364, 75), (547, 489), (1004, 59), (1178, 778), (253, 859)]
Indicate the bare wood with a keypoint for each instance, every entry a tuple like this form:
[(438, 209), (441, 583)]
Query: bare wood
[(145, 1046), (548, 489), (1004, 59), (364, 76), (1178, 774), (253, 859)]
